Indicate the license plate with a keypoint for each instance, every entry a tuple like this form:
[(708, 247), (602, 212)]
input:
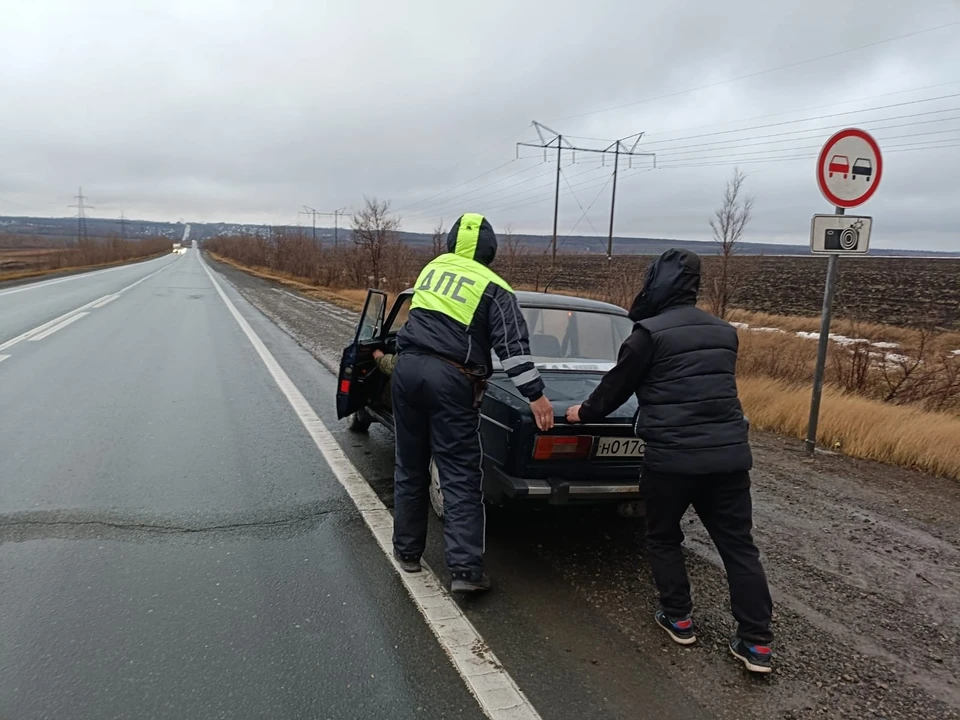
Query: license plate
[(619, 447)]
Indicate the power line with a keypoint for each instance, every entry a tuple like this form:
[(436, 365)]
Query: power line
[(443, 204), (815, 117), (668, 155), (578, 201), (590, 184), (465, 182), (762, 72), (821, 129), (715, 162), (806, 109), (585, 215), (521, 182)]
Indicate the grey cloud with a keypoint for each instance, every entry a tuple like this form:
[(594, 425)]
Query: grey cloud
[(215, 110)]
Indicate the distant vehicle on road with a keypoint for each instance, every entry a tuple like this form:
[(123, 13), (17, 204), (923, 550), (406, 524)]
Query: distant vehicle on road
[(862, 166), (574, 341), (839, 164), (177, 247)]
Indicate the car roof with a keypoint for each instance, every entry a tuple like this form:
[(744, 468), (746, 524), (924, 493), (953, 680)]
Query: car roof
[(566, 302), (559, 302)]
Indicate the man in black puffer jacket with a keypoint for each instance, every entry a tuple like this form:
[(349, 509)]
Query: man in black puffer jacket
[(681, 364)]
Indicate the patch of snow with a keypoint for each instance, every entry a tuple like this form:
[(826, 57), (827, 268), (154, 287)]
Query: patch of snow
[(767, 330), (955, 352), (885, 345), (844, 340), (808, 335), (740, 326), (894, 358)]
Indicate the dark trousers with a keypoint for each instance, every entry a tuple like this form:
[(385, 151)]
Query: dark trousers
[(434, 414), (724, 506)]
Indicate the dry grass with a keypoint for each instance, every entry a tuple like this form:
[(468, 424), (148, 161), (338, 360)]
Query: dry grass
[(857, 426), (875, 332), (29, 274), (349, 298)]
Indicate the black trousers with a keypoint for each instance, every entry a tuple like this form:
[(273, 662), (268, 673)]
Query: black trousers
[(434, 414), (725, 508)]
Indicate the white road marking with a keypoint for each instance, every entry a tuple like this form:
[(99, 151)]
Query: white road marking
[(495, 691), (92, 303), (47, 283), (59, 326), (106, 301), (3, 357)]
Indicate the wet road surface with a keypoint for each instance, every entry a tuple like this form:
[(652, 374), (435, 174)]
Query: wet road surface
[(172, 544), (863, 559)]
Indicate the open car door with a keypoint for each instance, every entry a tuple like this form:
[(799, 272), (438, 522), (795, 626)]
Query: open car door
[(355, 386)]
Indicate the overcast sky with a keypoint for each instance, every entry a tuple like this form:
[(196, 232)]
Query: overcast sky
[(235, 110)]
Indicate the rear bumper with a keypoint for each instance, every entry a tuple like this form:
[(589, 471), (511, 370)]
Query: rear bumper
[(558, 491)]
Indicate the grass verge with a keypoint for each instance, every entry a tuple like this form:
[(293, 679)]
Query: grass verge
[(348, 298), (857, 426), (30, 274)]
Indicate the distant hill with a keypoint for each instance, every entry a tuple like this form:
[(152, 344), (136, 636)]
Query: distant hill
[(61, 228)]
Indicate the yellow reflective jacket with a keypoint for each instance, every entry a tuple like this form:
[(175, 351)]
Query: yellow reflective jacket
[(463, 311)]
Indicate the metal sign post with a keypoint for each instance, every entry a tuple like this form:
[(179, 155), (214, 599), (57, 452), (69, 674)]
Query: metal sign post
[(846, 183), (826, 316)]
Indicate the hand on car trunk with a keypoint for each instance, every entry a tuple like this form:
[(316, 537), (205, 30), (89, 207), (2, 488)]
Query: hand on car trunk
[(573, 414), (542, 412)]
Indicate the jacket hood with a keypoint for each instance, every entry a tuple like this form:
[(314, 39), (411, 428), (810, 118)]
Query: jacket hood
[(472, 237), (672, 279)]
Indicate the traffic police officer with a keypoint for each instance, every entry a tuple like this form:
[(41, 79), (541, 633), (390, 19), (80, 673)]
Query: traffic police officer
[(461, 310)]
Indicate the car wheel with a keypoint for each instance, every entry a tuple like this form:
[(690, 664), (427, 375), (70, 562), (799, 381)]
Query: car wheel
[(436, 495), (359, 421)]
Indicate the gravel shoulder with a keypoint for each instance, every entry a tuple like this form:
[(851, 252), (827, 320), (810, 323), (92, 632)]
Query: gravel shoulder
[(863, 560)]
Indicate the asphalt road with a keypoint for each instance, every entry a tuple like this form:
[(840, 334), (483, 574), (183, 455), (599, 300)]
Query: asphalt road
[(863, 560), (172, 543)]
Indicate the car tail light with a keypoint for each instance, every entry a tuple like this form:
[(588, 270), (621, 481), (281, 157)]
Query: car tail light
[(344, 386), (562, 447)]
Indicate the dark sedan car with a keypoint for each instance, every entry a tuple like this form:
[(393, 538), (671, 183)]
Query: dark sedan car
[(573, 342)]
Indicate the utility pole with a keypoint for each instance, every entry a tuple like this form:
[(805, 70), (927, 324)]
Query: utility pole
[(82, 208), (616, 162), (336, 229), (310, 211), (561, 143), (559, 140)]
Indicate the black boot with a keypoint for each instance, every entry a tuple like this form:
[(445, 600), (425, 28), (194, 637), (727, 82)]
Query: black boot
[(464, 582)]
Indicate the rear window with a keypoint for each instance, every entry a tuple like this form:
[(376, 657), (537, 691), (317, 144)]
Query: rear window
[(575, 335)]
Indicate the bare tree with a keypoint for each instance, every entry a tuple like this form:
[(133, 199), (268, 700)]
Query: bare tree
[(439, 239), (513, 251), (374, 231), (728, 224)]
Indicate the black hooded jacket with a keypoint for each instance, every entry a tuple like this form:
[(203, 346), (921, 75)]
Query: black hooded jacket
[(681, 364)]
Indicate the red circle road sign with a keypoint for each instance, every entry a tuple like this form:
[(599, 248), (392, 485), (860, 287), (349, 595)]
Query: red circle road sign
[(849, 168)]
